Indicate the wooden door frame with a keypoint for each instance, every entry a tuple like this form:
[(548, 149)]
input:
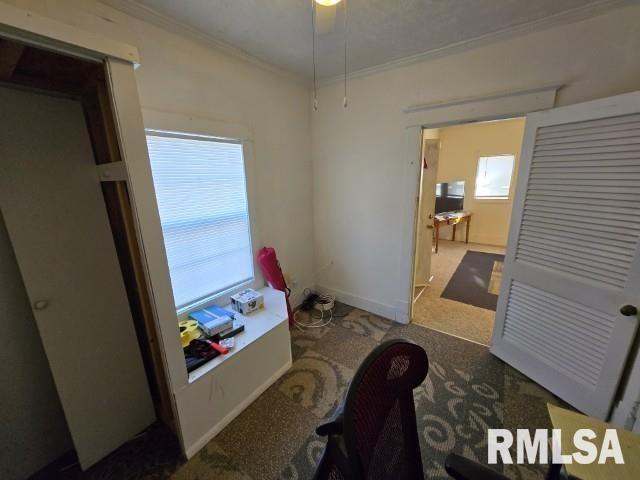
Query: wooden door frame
[(32, 30), (438, 115), (421, 205), (37, 30)]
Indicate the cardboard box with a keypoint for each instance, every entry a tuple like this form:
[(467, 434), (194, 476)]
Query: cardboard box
[(247, 301)]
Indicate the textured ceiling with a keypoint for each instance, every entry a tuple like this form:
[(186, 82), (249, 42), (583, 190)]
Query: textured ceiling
[(379, 31)]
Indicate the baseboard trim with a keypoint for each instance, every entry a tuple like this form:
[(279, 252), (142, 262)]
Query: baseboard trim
[(381, 309), (217, 428)]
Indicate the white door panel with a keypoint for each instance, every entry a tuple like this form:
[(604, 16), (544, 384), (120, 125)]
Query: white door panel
[(573, 259), (426, 204), (53, 207)]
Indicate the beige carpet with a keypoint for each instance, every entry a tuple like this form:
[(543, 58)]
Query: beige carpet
[(496, 277), (455, 318)]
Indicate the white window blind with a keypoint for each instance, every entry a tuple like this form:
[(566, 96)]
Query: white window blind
[(202, 197), (493, 178)]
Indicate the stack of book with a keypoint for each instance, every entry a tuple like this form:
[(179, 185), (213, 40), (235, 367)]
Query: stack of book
[(213, 320)]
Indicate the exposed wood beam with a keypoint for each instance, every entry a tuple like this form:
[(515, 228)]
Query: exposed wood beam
[(10, 54)]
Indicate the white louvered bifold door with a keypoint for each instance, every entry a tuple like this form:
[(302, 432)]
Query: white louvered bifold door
[(572, 260)]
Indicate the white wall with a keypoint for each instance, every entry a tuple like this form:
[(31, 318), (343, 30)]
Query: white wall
[(33, 431), (183, 76), (460, 148), (358, 152), (188, 77)]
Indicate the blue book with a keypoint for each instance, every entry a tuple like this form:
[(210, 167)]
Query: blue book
[(213, 319)]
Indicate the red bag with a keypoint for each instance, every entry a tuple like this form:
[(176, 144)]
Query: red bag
[(273, 274)]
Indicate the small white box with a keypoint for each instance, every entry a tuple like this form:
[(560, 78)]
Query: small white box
[(247, 301)]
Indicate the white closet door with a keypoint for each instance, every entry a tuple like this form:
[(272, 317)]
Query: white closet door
[(54, 211), (573, 260)]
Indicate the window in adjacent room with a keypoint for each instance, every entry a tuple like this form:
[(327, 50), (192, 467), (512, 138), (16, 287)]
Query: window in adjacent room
[(201, 190), (455, 189), (493, 177)]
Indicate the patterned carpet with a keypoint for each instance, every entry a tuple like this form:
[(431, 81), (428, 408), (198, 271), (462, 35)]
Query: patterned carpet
[(467, 391)]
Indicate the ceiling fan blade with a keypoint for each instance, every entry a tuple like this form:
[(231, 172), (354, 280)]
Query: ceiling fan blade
[(325, 19)]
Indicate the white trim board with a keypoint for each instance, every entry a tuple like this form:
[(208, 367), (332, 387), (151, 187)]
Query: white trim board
[(493, 106), (191, 124), (550, 89), (34, 29)]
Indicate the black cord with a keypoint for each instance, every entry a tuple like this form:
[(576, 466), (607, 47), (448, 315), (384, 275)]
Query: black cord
[(308, 304), (309, 301)]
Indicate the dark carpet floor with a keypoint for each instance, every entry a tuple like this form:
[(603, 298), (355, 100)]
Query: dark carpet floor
[(466, 391), (470, 282)]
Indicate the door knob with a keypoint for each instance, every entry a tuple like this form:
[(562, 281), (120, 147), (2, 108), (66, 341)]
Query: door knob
[(629, 310), (40, 304)]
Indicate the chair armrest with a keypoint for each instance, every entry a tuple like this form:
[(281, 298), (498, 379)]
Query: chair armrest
[(461, 468), (332, 427)]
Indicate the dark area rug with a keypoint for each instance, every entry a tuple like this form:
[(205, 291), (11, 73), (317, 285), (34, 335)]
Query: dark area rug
[(471, 281), (467, 391)]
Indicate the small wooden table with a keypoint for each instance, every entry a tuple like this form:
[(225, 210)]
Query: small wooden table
[(451, 218), (569, 422)]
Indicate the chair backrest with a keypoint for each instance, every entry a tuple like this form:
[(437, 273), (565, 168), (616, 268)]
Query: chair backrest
[(380, 431)]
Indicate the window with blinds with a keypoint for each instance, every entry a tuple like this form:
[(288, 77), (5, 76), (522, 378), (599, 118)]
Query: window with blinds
[(201, 190)]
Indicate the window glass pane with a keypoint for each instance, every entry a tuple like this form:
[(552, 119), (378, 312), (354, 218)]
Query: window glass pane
[(201, 190), (456, 189), (438, 189), (493, 178)]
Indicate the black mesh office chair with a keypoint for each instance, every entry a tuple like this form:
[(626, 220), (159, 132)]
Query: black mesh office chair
[(374, 434)]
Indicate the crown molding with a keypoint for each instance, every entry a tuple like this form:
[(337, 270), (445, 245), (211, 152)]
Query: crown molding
[(164, 22), (149, 15), (573, 15)]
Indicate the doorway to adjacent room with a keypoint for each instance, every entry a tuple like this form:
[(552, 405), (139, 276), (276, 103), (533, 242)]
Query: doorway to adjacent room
[(466, 196)]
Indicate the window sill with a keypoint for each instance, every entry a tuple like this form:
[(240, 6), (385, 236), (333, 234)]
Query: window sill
[(256, 325), (223, 297), (492, 200)]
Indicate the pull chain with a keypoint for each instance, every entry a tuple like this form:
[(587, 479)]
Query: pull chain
[(344, 102), (313, 43), (313, 46)]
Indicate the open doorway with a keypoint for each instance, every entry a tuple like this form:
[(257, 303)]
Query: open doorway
[(466, 193)]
